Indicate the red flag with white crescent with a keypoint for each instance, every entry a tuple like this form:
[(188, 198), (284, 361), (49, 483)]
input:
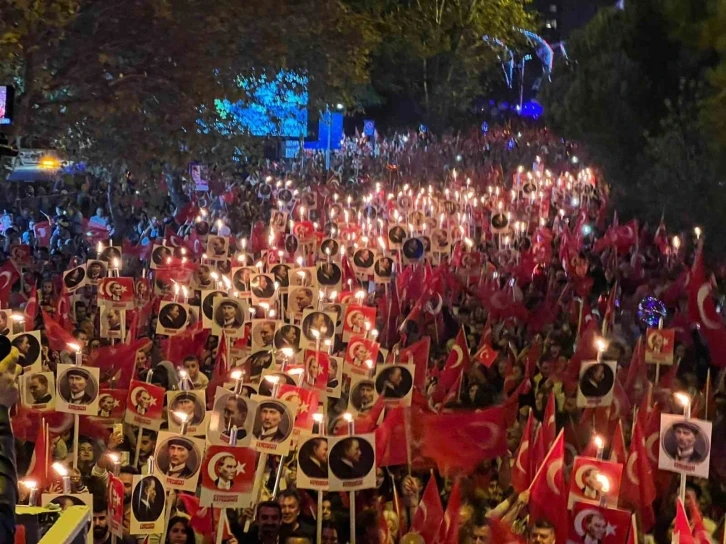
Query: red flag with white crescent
[(548, 494), (449, 529), (521, 474), (591, 523), (463, 439), (681, 527), (457, 363), (429, 513), (702, 310), (638, 489)]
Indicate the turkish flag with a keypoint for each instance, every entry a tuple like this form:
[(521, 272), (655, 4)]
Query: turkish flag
[(42, 232), (464, 439), (94, 233), (449, 528), (391, 440), (428, 516), (31, 310), (591, 523), (521, 474), (486, 355), (418, 355), (548, 495), (8, 276), (702, 310), (457, 363), (58, 337), (118, 361), (638, 489), (682, 528)]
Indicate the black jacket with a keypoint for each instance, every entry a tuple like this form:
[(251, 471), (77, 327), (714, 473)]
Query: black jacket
[(8, 476)]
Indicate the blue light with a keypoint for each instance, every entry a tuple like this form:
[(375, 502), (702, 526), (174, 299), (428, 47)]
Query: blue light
[(276, 106), (532, 109)]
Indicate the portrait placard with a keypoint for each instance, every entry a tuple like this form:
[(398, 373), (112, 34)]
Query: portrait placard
[(660, 346), (147, 505), (335, 377), (74, 279), (383, 270), (228, 477), (352, 462), (173, 318), (115, 512), (231, 410), (287, 336), (358, 351), (230, 315), (95, 271), (208, 298), (38, 390), (307, 405), (116, 293), (685, 445), (587, 483), (312, 463), (273, 428), (77, 390), (596, 384), (112, 322), (356, 317), (300, 299), (362, 396), (144, 406), (178, 459), (160, 256), (262, 287), (192, 403), (28, 345), (395, 383), (263, 333), (111, 405), (590, 524), (322, 322)]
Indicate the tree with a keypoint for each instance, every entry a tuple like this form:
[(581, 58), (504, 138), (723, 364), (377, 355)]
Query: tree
[(432, 54), (633, 93), (124, 83)]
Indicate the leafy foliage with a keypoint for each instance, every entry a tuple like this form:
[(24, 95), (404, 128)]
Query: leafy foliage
[(432, 55), (645, 93), (127, 81)]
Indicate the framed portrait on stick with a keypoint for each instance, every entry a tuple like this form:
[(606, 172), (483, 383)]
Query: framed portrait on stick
[(178, 459), (312, 463), (685, 445), (596, 384), (598, 524), (77, 390), (352, 462), (228, 477), (595, 482), (148, 499), (660, 346)]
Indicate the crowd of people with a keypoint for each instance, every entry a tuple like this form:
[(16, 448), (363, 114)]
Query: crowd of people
[(514, 305)]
